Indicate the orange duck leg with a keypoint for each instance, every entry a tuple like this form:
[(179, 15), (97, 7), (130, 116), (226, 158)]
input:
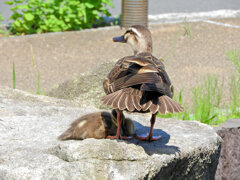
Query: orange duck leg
[(150, 137), (119, 124)]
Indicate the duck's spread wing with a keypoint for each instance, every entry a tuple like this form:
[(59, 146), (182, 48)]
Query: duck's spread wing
[(132, 100), (128, 98), (158, 65), (136, 79), (131, 79), (131, 71)]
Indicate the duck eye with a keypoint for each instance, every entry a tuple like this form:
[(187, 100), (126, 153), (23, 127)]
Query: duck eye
[(130, 32)]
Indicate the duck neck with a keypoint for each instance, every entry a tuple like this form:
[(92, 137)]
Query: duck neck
[(142, 47), (148, 50)]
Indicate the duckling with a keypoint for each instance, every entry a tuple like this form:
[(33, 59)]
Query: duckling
[(139, 83), (97, 125)]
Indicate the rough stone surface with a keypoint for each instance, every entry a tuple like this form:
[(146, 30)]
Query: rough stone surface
[(29, 149), (229, 161)]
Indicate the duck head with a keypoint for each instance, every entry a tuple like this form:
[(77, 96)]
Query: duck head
[(139, 38)]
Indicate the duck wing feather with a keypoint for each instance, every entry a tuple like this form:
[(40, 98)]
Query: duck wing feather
[(128, 98), (166, 104)]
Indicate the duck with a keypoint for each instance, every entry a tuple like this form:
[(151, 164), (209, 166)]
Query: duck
[(139, 83), (98, 125)]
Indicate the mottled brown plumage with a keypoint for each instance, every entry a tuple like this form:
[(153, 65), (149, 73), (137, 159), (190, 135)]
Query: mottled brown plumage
[(97, 125), (139, 83)]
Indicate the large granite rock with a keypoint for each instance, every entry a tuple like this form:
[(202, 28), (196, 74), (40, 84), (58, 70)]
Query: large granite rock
[(29, 149), (229, 161)]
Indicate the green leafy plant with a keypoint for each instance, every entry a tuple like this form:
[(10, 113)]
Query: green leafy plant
[(1, 30), (38, 16)]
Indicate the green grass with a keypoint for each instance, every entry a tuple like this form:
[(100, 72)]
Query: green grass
[(172, 47), (1, 17), (187, 30), (234, 57), (38, 84), (38, 89), (207, 98), (234, 107), (206, 103), (14, 76)]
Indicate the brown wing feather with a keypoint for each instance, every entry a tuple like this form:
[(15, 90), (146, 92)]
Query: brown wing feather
[(146, 105), (176, 107), (116, 99), (162, 106), (154, 108), (148, 69), (137, 60), (169, 106), (131, 80), (136, 102), (129, 103), (180, 108), (121, 101), (108, 99)]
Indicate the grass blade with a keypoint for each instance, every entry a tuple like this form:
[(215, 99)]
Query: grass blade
[(14, 76), (38, 84)]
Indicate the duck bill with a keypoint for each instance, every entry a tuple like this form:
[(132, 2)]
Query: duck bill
[(119, 39)]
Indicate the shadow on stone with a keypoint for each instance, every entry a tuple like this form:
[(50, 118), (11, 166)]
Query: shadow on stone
[(154, 147)]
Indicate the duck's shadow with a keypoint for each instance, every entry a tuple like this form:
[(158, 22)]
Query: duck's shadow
[(154, 147)]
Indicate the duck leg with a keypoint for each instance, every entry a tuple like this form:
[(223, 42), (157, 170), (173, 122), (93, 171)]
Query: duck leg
[(150, 137), (119, 122)]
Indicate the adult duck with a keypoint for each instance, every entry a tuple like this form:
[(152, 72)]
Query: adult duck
[(139, 83)]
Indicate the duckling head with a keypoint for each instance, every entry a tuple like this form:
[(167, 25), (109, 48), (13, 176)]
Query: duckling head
[(139, 38)]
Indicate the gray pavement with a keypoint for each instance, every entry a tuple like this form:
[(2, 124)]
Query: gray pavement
[(177, 6), (161, 6)]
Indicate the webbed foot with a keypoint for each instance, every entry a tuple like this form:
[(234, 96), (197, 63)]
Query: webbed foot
[(148, 137)]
